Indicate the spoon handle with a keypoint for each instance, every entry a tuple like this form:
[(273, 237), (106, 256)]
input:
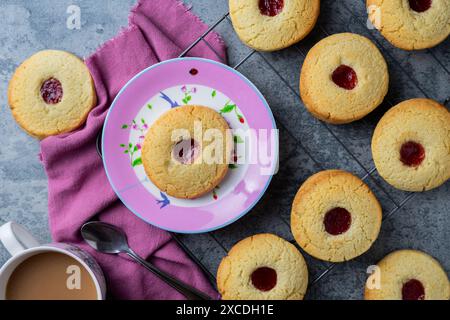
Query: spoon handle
[(189, 292)]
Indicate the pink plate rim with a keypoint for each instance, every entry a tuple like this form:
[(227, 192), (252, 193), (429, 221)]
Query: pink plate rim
[(129, 189)]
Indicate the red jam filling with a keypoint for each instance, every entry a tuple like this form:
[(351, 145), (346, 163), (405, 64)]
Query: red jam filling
[(337, 221), (420, 5), (345, 77), (413, 290), (271, 7), (193, 72), (264, 278), (412, 154), (186, 151), (52, 91)]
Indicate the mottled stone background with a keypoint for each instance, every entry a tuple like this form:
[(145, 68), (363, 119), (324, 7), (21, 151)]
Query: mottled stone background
[(419, 221)]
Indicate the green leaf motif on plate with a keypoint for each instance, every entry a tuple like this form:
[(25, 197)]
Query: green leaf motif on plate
[(238, 139), (137, 162), (228, 108)]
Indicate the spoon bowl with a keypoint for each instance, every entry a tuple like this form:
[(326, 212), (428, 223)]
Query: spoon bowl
[(104, 237)]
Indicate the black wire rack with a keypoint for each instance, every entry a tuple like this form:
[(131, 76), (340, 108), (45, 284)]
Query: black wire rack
[(367, 173), (397, 205)]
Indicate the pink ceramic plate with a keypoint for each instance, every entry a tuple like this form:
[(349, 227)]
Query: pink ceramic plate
[(190, 81)]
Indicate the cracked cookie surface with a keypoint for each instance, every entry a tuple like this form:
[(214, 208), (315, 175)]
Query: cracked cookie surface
[(234, 276), (407, 28), (421, 121), (402, 266), (320, 92), (201, 174), (323, 193), (50, 93), (269, 33)]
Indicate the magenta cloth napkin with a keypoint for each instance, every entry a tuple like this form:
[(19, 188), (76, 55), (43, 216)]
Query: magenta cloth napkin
[(79, 190)]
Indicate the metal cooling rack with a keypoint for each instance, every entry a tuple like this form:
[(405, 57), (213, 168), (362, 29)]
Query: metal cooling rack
[(397, 205)]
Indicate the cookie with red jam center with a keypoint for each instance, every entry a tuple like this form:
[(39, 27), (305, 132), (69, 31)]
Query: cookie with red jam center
[(263, 267), (410, 145), (411, 24), (50, 93), (269, 25), (408, 275), (335, 216), (343, 78), (178, 160)]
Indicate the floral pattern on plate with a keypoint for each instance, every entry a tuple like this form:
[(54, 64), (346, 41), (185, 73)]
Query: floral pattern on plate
[(164, 101)]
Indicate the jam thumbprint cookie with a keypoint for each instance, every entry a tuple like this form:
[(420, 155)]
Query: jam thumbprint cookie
[(335, 216), (50, 93), (186, 152), (411, 145), (263, 267), (408, 275), (411, 24), (269, 25), (344, 77)]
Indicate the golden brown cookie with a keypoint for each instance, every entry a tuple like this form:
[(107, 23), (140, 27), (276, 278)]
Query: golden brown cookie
[(50, 93), (411, 145), (269, 25), (335, 216), (411, 24), (344, 77), (408, 275), (263, 267), (186, 152)]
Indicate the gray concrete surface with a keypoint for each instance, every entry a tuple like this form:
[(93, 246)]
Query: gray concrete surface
[(307, 145)]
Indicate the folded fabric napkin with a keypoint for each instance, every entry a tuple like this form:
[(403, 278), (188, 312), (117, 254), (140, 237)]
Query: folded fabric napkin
[(79, 190)]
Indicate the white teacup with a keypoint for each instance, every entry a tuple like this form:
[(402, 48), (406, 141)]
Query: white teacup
[(22, 245)]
